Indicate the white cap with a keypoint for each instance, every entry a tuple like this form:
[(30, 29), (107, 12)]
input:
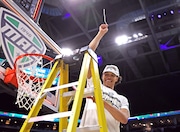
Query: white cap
[(112, 68)]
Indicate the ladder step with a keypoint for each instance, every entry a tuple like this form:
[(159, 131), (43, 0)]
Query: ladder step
[(60, 87), (50, 116), (87, 92), (87, 129)]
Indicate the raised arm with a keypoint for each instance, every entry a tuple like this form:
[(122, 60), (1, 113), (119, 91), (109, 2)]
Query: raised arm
[(103, 29)]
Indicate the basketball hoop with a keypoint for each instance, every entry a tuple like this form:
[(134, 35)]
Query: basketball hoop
[(30, 77)]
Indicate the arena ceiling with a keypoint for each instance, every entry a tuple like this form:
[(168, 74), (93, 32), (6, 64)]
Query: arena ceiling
[(153, 56)]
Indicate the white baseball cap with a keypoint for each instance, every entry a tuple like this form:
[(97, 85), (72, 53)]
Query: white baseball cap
[(112, 68)]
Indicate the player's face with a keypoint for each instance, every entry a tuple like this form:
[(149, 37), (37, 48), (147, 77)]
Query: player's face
[(109, 79)]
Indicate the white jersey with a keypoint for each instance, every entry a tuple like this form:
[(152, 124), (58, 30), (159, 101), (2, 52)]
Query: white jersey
[(89, 117)]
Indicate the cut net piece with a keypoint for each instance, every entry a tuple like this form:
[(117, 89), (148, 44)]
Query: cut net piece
[(30, 78)]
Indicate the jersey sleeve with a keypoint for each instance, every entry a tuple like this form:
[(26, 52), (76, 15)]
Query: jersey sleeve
[(125, 103)]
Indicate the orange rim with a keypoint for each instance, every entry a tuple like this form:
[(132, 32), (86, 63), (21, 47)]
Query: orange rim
[(32, 54)]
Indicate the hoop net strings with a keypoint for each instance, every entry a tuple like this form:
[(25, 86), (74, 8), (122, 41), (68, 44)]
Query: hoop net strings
[(29, 84)]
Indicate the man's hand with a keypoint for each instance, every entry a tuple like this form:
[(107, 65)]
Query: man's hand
[(103, 28), (91, 97)]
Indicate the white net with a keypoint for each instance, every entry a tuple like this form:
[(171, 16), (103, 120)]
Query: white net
[(31, 73)]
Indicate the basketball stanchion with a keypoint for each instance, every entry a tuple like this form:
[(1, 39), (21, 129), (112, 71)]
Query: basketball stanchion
[(30, 77)]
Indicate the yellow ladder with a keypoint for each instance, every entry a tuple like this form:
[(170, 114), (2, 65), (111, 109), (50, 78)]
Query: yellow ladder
[(89, 61)]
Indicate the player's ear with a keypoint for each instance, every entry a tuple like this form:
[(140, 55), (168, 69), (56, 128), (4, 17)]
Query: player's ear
[(119, 79), (102, 76)]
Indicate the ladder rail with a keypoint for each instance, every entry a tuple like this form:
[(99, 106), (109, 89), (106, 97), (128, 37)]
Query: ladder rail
[(98, 97), (26, 127), (79, 94), (64, 76)]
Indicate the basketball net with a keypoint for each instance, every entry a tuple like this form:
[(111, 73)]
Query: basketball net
[(30, 78)]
